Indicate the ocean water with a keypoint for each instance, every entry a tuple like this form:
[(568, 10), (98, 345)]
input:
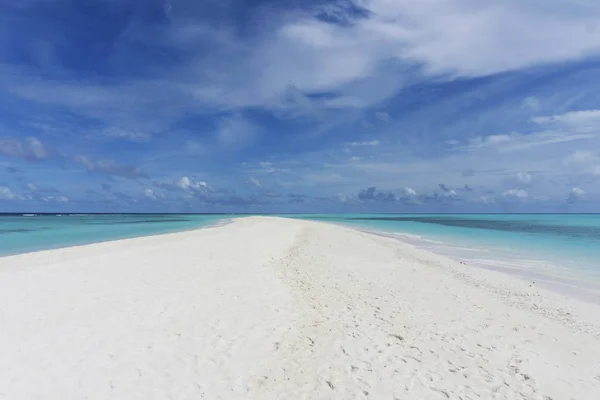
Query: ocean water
[(535, 246), (27, 233), (566, 245)]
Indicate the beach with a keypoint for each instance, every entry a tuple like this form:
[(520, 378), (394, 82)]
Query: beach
[(274, 308)]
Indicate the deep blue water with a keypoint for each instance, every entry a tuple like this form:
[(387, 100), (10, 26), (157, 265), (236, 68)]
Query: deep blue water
[(570, 242), (22, 234)]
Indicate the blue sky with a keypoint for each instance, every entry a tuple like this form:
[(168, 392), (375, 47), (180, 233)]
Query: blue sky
[(300, 106)]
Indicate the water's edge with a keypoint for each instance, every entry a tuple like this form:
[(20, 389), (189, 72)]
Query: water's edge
[(141, 234), (552, 279)]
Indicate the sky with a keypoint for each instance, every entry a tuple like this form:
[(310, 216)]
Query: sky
[(300, 106)]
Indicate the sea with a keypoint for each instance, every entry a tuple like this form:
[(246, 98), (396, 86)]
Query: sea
[(542, 247), (559, 250), (24, 233)]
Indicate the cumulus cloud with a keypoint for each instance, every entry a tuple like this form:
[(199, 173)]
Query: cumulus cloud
[(516, 194), (575, 194), (371, 194), (152, 195), (7, 194), (189, 188), (524, 178), (410, 192), (186, 184), (521, 179), (409, 196), (450, 193)]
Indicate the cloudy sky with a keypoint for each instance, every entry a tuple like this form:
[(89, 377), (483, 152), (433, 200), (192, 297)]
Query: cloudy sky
[(300, 105)]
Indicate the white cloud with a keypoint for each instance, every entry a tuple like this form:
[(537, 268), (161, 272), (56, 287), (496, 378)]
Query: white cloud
[(575, 195), (359, 63), (149, 193), (364, 144), (582, 161), (517, 141), (410, 192), (30, 149), (575, 119), (523, 178), (450, 193), (577, 192), (256, 182), (486, 200), (55, 199), (581, 158), (6, 194), (457, 37), (468, 38), (516, 193), (186, 183)]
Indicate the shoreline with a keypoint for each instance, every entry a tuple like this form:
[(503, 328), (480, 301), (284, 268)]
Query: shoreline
[(557, 283), (552, 277), (216, 224), (271, 308), (509, 285)]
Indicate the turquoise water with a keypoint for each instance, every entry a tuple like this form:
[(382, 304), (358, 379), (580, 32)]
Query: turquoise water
[(570, 243), (22, 234)]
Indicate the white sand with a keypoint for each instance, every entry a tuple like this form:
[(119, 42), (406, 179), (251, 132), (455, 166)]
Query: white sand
[(268, 308)]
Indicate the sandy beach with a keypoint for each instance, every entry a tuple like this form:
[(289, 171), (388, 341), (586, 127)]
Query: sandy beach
[(270, 308)]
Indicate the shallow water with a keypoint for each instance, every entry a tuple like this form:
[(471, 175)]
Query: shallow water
[(566, 244), (27, 233)]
